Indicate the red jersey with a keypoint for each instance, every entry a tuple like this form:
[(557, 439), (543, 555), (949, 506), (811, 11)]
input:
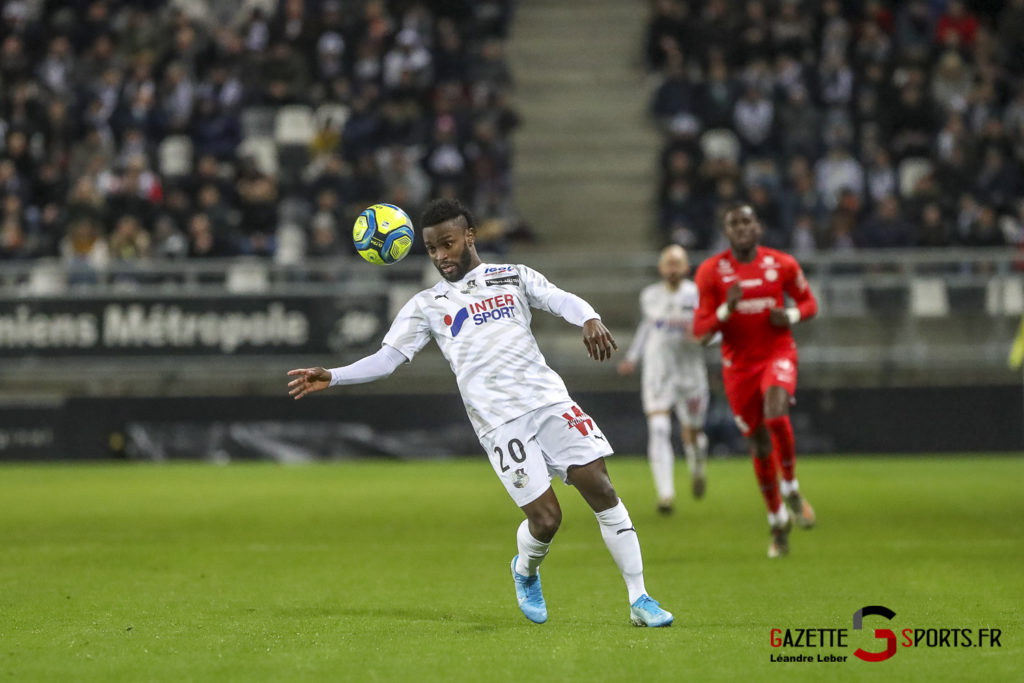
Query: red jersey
[(748, 336)]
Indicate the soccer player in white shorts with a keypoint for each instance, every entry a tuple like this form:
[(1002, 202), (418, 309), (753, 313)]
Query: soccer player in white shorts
[(675, 377), (479, 315)]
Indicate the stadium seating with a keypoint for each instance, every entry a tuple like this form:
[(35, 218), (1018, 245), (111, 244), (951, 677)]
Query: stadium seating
[(227, 82), (896, 110)]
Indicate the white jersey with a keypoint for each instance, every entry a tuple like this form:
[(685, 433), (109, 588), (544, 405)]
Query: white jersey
[(665, 335), (482, 325)]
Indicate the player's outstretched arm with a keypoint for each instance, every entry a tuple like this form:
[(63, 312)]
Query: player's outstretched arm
[(598, 340), (308, 380), (377, 366), (628, 365)]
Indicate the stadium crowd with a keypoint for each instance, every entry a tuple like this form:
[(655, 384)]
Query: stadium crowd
[(845, 124), (191, 129)]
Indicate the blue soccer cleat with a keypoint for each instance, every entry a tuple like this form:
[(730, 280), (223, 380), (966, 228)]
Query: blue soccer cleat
[(647, 612), (531, 600)]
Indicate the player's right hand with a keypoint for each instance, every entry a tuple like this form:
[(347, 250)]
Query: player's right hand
[(598, 340), (733, 296), (626, 367), (308, 380)]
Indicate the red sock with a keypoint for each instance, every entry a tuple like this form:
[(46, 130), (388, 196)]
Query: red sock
[(783, 445), (764, 470)]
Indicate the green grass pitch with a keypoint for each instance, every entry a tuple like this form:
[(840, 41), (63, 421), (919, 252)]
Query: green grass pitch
[(373, 571)]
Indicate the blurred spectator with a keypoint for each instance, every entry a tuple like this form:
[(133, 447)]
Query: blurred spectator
[(887, 228), (204, 242), (836, 172), (881, 178), (754, 119), (804, 241), (998, 182), (957, 26), (915, 27), (984, 230), (84, 250), (408, 64), (129, 241), (952, 82), (666, 31), (933, 229)]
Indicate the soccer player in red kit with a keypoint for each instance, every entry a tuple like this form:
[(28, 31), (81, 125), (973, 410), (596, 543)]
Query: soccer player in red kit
[(742, 295)]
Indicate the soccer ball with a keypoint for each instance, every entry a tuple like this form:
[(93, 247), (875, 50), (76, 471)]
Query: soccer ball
[(383, 234)]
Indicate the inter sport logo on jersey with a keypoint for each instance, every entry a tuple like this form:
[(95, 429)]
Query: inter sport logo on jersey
[(493, 308)]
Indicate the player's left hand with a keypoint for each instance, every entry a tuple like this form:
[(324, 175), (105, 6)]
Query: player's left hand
[(777, 316), (598, 340)]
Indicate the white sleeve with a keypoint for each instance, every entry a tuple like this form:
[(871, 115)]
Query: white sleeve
[(639, 339), (543, 295), (377, 366), (410, 330)]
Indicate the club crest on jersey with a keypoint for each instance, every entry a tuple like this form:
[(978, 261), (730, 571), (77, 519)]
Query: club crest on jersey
[(520, 478), (492, 308), (725, 266), (469, 288)]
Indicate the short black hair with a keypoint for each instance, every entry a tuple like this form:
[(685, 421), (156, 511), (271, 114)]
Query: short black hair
[(441, 210)]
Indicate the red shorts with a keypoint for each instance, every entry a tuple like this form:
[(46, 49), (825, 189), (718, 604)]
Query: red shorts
[(745, 387)]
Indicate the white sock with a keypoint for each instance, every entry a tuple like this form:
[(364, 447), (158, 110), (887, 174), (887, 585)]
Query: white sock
[(779, 517), (788, 488), (702, 451), (660, 456), (620, 537), (531, 551)]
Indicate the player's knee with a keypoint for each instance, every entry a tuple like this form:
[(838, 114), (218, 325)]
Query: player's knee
[(760, 443), (602, 495), (776, 403), (659, 425), (544, 523)]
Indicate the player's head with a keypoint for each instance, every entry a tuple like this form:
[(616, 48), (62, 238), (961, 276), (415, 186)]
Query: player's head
[(673, 264), (742, 228), (449, 234)]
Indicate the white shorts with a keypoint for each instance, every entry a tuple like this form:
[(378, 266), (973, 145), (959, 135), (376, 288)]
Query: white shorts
[(689, 399), (528, 450)]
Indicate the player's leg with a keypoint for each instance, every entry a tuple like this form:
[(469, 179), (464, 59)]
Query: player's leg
[(520, 465), (779, 387), (779, 521), (692, 413), (543, 517), (658, 395), (661, 458), (695, 443), (743, 390), (619, 534)]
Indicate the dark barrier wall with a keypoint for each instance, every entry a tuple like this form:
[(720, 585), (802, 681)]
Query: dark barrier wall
[(196, 325), (412, 426)]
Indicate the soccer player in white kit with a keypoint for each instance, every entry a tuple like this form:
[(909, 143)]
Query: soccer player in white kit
[(675, 376), (479, 315)]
